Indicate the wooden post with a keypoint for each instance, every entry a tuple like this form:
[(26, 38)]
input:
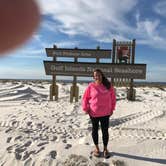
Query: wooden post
[(132, 91), (113, 50), (113, 57), (97, 58), (74, 90), (133, 51), (54, 87)]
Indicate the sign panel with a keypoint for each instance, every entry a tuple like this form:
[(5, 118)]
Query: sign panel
[(79, 53), (124, 43), (135, 71)]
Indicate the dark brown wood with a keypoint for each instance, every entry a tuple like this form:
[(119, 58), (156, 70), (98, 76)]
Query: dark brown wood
[(136, 71), (113, 51), (133, 51), (79, 53), (131, 93)]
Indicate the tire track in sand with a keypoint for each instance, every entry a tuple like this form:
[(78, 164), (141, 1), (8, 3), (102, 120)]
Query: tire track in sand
[(124, 127)]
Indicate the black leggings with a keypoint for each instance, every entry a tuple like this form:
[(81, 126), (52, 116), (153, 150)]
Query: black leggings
[(104, 122)]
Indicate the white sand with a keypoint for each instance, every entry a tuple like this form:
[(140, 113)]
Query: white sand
[(36, 131)]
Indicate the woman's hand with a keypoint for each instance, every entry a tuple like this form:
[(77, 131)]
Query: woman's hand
[(111, 113), (87, 112)]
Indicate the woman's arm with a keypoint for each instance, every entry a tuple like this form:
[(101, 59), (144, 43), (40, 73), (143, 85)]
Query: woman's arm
[(85, 100), (113, 98)]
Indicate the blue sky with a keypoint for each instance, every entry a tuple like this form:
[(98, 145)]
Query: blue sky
[(88, 23)]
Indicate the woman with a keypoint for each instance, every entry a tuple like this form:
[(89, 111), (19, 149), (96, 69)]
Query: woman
[(99, 102)]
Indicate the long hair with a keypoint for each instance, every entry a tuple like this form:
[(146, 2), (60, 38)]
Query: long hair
[(105, 81)]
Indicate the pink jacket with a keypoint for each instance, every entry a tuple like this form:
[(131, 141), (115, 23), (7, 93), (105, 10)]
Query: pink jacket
[(98, 101)]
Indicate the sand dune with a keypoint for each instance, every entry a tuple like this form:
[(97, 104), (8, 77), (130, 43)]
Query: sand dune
[(36, 131)]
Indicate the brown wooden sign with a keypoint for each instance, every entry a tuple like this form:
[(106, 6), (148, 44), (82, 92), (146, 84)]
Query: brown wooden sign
[(79, 53), (124, 43), (135, 71)]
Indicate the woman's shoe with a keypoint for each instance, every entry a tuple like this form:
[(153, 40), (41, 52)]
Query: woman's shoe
[(106, 154), (96, 153)]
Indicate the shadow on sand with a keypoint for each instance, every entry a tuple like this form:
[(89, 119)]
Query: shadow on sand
[(155, 160)]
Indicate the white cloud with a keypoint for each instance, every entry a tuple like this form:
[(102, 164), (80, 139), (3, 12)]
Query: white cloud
[(32, 51), (51, 26), (148, 33), (97, 18), (67, 44), (160, 8), (104, 20)]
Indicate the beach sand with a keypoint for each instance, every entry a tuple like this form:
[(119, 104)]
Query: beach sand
[(37, 132)]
